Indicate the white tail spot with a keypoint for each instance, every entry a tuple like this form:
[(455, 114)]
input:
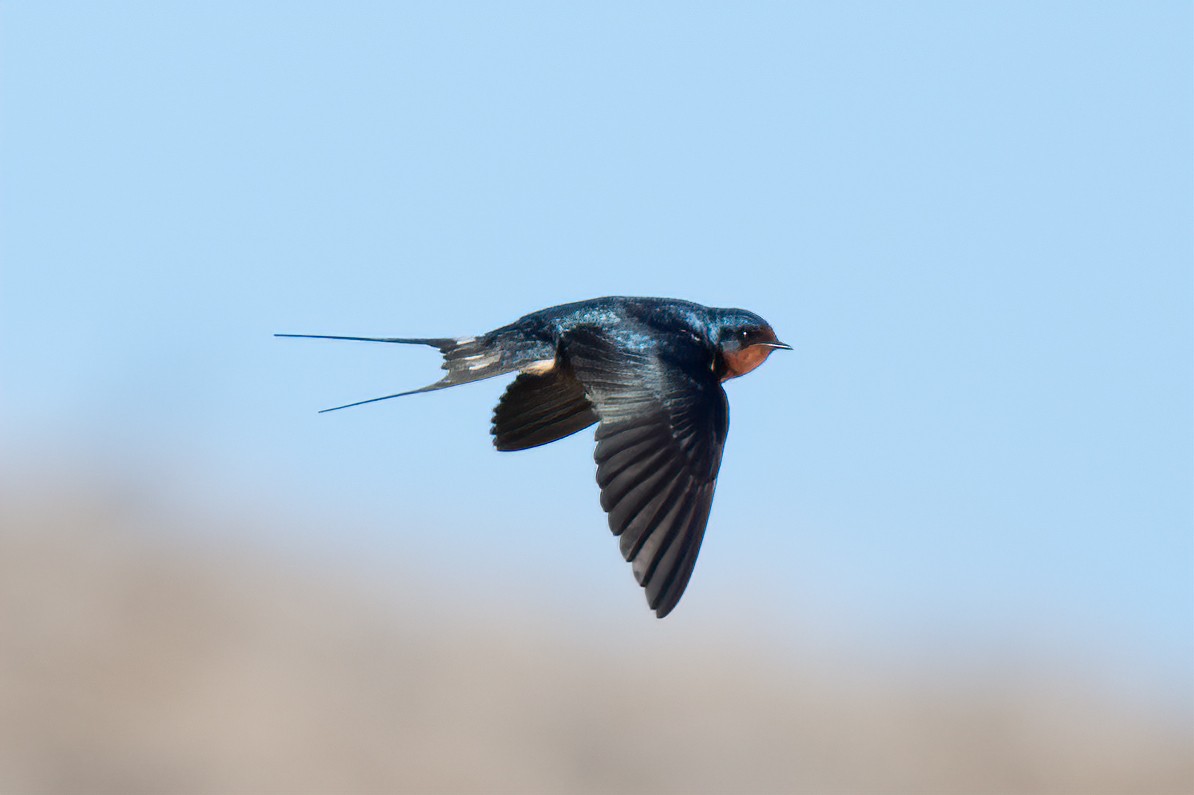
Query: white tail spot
[(483, 360)]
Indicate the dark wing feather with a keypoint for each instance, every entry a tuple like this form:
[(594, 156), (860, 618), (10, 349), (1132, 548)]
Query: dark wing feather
[(540, 408), (664, 419)]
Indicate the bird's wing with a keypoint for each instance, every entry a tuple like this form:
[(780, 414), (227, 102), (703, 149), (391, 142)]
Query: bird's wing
[(538, 408), (663, 424)]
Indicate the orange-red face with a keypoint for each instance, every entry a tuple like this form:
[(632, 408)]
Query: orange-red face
[(742, 361), (745, 348)]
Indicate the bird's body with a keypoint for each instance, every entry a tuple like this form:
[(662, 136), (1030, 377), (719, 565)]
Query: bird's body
[(649, 370)]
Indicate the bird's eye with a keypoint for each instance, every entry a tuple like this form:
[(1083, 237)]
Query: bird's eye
[(744, 334)]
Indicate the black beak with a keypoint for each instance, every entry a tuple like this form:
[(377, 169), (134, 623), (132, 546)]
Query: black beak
[(779, 346)]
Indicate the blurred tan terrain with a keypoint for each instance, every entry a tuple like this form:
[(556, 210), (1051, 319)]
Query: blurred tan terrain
[(136, 657)]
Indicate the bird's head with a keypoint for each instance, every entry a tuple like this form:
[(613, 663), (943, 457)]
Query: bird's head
[(744, 341)]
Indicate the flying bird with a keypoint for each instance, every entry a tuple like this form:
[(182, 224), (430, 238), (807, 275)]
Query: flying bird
[(648, 371)]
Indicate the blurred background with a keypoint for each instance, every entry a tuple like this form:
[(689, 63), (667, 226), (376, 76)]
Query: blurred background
[(952, 548)]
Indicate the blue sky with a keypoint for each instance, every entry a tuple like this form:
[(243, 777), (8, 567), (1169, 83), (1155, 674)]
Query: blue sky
[(972, 222)]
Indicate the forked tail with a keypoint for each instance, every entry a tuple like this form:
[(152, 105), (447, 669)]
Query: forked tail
[(466, 359)]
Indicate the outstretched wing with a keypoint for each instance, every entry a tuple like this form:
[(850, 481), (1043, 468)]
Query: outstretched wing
[(538, 408), (663, 424)]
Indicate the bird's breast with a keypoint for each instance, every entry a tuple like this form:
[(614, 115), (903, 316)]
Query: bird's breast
[(540, 367)]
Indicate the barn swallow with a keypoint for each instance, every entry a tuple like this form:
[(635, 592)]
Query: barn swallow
[(649, 372)]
